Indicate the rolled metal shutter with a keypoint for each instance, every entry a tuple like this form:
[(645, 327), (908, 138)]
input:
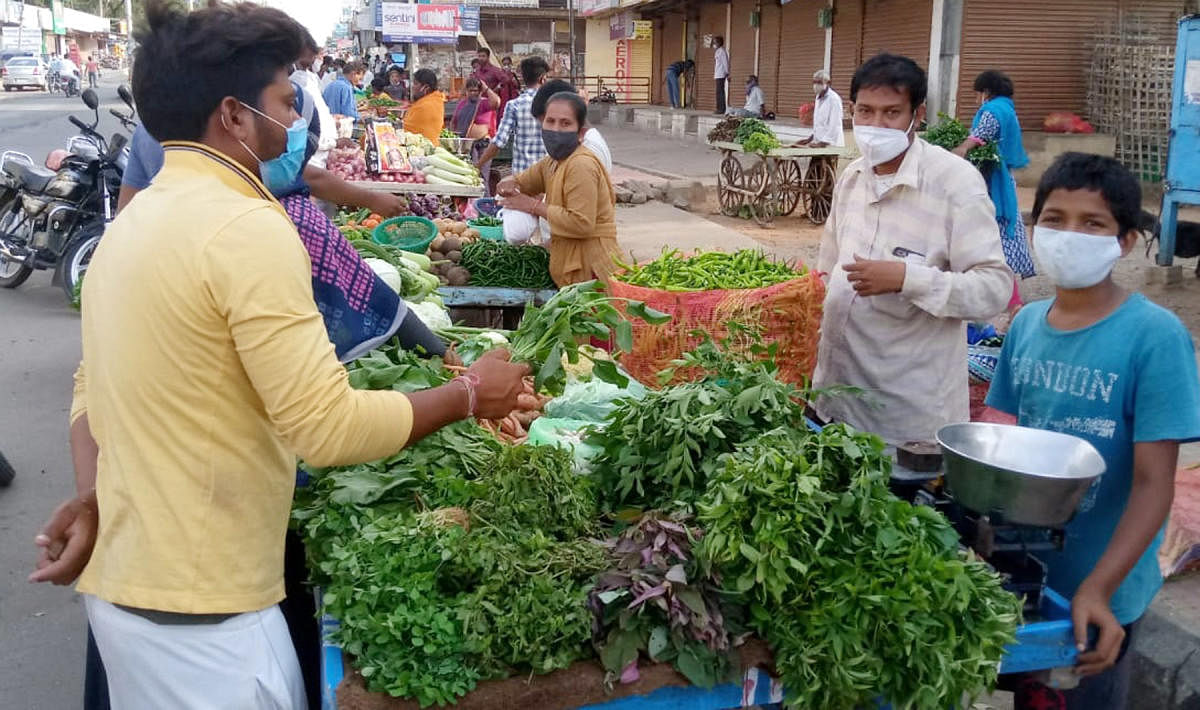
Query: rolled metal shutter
[(668, 43), (899, 27), (741, 49), (801, 52), (1044, 47), (712, 22), (768, 53), (847, 43)]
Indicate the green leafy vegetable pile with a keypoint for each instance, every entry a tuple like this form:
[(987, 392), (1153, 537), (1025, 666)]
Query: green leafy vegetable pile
[(501, 265), (755, 136), (860, 594), (949, 133), (659, 451), (656, 602), (746, 268)]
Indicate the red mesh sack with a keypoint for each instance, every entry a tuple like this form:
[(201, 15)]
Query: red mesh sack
[(788, 314), (806, 115)]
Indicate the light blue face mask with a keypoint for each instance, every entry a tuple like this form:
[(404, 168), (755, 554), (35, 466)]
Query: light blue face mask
[(279, 174)]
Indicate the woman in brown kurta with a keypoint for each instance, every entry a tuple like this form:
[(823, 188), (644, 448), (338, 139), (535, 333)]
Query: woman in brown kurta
[(580, 202)]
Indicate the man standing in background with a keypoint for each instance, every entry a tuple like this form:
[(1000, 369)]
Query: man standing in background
[(720, 71), (827, 115), (676, 70), (339, 95), (518, 125), (495, 78)]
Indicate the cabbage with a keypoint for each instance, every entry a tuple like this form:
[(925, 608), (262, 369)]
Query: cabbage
[(432, 315), (388, 273)]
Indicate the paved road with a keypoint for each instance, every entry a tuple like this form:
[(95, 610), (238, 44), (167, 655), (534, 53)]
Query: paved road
[(41, 627)]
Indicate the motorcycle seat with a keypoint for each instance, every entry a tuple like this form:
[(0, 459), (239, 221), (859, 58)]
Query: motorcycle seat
[(32, 178)]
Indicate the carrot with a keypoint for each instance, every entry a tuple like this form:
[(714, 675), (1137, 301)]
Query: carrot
[(508, 426), (527, 402)]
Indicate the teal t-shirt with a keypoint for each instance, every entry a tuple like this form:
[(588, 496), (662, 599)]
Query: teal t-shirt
[(1128, 378)]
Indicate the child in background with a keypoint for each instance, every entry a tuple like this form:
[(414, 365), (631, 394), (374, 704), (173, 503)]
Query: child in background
[(1115, 369)]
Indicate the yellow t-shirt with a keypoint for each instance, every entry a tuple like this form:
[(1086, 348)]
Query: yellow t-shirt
[(206, 369)]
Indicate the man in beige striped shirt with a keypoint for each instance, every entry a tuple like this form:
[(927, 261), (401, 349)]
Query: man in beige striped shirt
[(911, 253)]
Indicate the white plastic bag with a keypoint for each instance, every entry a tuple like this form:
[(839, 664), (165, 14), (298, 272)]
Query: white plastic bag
[(518, 226)]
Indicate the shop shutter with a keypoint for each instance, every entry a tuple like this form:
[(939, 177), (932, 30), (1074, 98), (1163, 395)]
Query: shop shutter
[(641, 62), (741, 49), (899, 27), (801, 52), (1043, 47), (712, 22), (768, 53), (847, 44), (670, 45)]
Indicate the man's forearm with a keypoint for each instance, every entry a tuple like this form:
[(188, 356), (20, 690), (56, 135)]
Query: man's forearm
[(331, 188), (488, 153), (1149, 504), (84, 454)]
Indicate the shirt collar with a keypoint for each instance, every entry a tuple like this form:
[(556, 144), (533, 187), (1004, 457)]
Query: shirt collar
[(202, 158)]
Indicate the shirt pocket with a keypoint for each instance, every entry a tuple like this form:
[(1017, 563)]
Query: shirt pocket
[(895, 305)]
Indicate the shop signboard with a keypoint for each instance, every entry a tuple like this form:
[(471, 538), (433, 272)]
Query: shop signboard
[(586, 8), (58, 17), (643, 29), (620, 26), (17, 39), (425, 24), (468, 19), (502, 3)]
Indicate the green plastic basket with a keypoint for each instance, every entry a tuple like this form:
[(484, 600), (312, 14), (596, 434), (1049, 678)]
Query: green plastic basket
[(413, 234), (496, 234)]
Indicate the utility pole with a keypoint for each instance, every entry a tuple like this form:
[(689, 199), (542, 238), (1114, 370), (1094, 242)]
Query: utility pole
[(129, 32), (571, 21)]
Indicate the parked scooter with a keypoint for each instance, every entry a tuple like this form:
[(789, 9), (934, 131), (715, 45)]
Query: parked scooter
[(53, 219)]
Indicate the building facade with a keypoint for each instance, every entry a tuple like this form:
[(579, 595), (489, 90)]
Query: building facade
[(1044, 47)]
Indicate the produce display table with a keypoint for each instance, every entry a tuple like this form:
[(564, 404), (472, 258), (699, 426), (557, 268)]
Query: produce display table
[(421, 188), (775, 184), (482, 307), (1046, 643)]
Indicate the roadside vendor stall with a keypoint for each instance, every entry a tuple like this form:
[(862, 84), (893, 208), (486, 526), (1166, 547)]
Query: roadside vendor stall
[(637, 535)]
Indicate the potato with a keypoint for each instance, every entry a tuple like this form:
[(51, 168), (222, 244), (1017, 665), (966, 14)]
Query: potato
[(455, 256), (458, 276), (458, 227), (437, 255), (471, 234), (436, 244), (451, 244)]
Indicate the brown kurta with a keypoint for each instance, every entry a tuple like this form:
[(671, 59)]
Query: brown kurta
[(580, 203)]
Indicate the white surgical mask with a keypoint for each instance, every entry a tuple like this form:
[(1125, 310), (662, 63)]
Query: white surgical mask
[(818, 88), (1074, 260), (879, 145)]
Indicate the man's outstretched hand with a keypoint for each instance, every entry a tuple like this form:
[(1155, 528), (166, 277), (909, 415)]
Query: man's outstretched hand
[(66, 541)]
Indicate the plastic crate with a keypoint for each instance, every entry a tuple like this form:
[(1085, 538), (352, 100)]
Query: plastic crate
[(413, 234)]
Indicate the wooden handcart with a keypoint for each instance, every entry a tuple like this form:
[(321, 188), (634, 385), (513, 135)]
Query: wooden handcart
[(776, 183)]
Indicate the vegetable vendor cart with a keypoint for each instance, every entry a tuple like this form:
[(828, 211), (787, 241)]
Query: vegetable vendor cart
[(778, 182)]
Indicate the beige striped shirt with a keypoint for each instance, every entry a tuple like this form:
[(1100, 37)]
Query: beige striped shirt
[(908, 350)]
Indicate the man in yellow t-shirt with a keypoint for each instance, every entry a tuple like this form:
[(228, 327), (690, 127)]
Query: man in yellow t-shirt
[(427, 114), (206, 370)]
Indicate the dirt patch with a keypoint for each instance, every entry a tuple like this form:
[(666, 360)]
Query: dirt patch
[(792, 237)]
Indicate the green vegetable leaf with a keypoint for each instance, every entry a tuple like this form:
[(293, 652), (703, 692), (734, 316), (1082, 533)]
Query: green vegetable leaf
[(606, 371), (639, 309), (624, 336)]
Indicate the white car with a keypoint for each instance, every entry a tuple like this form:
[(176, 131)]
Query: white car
[(25, 71)]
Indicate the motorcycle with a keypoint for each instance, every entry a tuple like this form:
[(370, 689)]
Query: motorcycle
[(53, 219), (68, 84)]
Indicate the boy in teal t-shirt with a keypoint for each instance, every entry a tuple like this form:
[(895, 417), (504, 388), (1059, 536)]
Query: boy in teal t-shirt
[(1119, 371)]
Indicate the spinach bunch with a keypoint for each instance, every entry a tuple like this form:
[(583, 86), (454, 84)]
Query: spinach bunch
[(949, 133), (659, 451), (859, 593), (655, 601)]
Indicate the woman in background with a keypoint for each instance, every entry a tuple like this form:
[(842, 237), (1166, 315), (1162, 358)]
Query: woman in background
[(996, 121)]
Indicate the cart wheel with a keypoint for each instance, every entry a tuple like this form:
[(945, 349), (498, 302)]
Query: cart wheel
[(730, 175), (819, 180), (790, 185)]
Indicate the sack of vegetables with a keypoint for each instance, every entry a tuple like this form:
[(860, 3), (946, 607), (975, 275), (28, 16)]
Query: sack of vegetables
[(706, 291)]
